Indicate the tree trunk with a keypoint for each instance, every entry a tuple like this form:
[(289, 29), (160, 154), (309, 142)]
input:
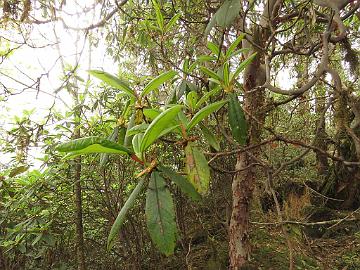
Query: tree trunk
[(244, 181), (321, 140)]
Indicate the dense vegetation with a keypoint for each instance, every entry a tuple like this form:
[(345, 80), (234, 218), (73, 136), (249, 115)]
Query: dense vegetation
[(191, 156)]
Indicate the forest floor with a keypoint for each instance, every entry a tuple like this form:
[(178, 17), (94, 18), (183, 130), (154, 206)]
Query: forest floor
[(338, 251)]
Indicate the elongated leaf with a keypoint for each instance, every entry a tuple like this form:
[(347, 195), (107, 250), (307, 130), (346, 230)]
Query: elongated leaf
[(206, 97), (122, 215), (89, 145), (159, 16), (213, 48), (226, 73), (160, 123), (112, 81), (210, 25), (197, 169), (206, 58), (242, 66), (185, 186), (137, 129), (228, 12), (225, 15), (210, 137), (151, 114), (234, 45), (104, 157), (136, 142), (237, 120), (211, 73), (18, 170), (131, 124), (172, 21), (156, 82), (204, 112), (160, 215), (121, 136), (191, 99)]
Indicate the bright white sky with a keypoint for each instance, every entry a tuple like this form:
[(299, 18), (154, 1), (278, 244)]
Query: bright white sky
[(27, 64)]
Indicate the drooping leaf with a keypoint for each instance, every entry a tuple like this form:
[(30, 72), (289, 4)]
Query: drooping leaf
[(159, 124), (228, 12), (210, 25), (160, 214), (112, 81), (156, 82), (197, 169), (185, 186), (121, 217), (225, 15), (237, 120), (159, 16), (104, 157), (210, 137), (204, 112), (90, 145)]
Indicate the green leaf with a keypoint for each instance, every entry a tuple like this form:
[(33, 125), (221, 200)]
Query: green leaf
[(18, 170), (121, 217), (226, 74), (137, 129), (213, 48), (237, 120), (206, 58), (136, 142), (185, 186), (197, 169), (112, 81), (131, 124), (210, 137), (172, 21), (156, 82), (160, 215), (228, 12), (151, 114), (206, 97), (191, 99), (90, 145), (204, 112), (210, 25), (112, 137), (159, 16), (211, 73), (225, 15), (242, 66), (234, 45), (160, 123)]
